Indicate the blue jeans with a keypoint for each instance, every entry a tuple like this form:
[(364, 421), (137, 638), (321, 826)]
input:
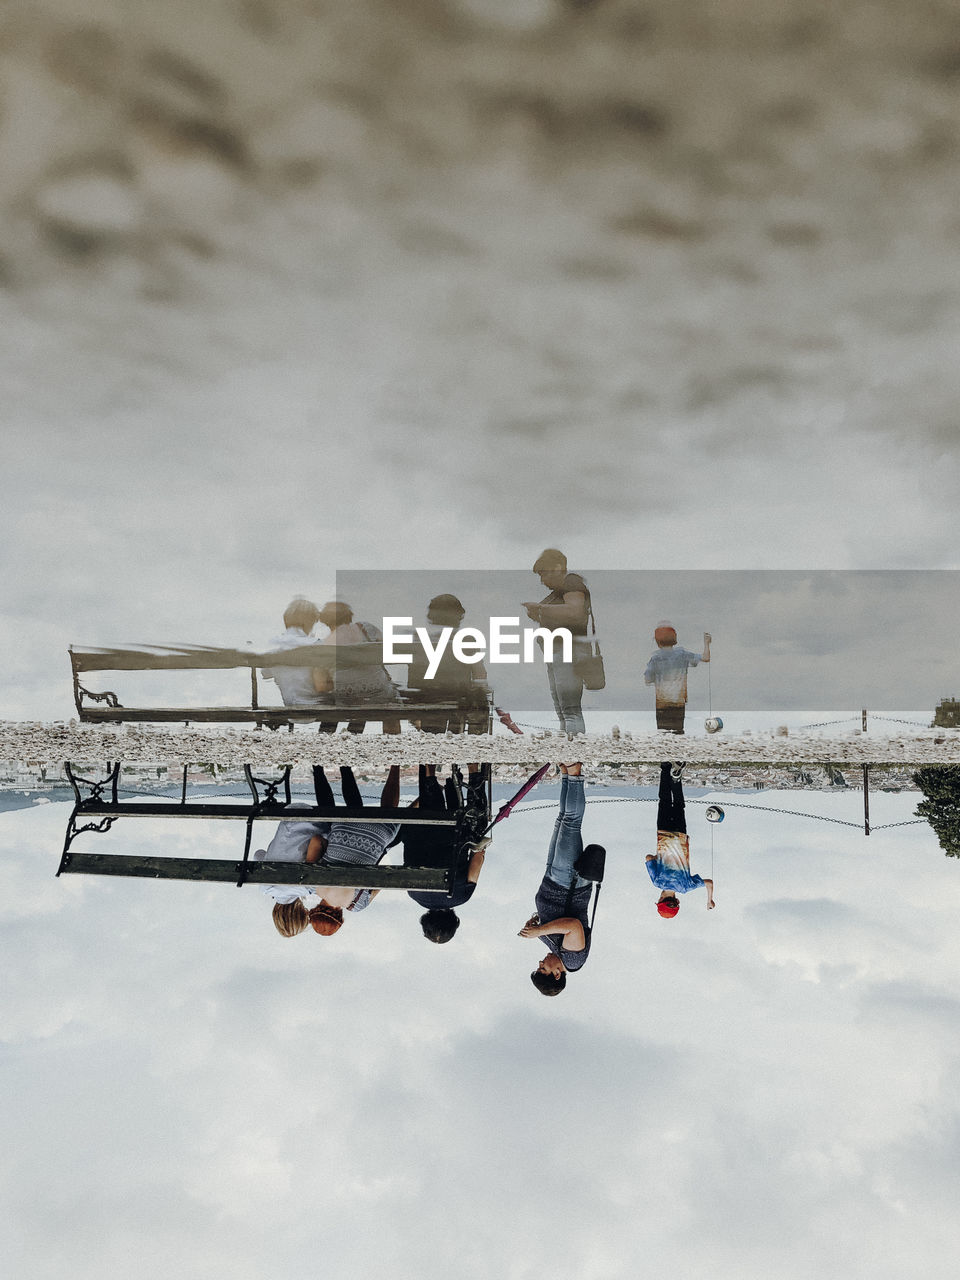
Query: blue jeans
[(567, 843), (566, 689)]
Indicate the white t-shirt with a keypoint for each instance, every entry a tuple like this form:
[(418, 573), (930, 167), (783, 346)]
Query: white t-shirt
[(289, 844), (295, 683)]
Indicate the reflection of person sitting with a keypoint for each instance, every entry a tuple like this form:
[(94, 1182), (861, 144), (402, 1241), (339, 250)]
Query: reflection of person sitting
[(352, 680), (670, 869), (667, 671), (453, 681), (299, 686), (425, 846), (360, 844), (563, 897)]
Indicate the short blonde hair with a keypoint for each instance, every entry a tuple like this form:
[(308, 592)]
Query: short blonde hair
[(302, 613), (290, 918)]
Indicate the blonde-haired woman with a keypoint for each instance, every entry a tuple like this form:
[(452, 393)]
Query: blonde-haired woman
[(293, 842)]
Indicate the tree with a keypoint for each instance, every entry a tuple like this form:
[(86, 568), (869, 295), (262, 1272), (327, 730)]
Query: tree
[(940, 785)]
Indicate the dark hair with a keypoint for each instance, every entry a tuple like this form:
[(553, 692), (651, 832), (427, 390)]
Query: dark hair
[(444, 609), (547, 984), (439, 924), (550, 559), (336, 613)]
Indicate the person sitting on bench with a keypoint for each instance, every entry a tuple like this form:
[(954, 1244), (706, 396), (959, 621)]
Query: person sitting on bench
[(425, 846), (299, 685), (293, 842), (352, 680), (454, 681), (352, 844)]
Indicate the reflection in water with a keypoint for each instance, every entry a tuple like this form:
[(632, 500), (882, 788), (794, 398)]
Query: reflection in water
[(299, 686), (359, 668), (667, 672), (568, 605), (940, 806), (453, 681), (669, 869), (563, 899), (355, 679)]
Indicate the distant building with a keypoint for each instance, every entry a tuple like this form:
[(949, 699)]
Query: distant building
[(947, 714)]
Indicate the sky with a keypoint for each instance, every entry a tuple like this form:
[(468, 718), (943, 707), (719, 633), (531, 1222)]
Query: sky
[(288, 290), (765, 1089), (493, 320)]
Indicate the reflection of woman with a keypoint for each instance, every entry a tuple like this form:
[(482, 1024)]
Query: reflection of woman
[(563, 897), (567, 605), (355, 681), (353, 844)]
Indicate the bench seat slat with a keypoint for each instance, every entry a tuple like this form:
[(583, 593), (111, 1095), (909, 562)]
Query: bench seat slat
[(268, 715), (227, 870), (269, 812)]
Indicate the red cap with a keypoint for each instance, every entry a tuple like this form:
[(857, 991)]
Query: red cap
[(665, 634), (668, 909)]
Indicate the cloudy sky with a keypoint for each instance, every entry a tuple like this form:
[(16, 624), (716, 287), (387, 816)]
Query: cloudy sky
[(287, 289), (767, 1089), (287, 293)]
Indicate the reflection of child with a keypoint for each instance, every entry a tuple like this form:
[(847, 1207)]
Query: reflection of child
[(667, 670), (670, 869)]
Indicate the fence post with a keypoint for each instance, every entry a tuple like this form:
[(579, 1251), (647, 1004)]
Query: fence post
[(863, 715), (866, 799)]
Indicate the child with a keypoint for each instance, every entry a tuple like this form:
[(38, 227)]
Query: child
[(667, 669), (670, 869)]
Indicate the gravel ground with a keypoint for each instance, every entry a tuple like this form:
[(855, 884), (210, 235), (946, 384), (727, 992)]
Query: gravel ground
[(27, 742)]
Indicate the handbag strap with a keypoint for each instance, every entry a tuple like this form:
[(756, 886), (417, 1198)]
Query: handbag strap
[(594, 644), (596, 898)]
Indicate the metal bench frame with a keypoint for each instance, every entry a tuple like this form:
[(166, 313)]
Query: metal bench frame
[(165, 658), (97, 807)]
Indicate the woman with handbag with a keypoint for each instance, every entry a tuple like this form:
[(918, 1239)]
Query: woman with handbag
[(563, 899), (568, 605)]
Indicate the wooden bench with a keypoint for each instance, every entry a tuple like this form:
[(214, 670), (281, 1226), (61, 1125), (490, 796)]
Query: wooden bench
[(97, 806), (473, 710)]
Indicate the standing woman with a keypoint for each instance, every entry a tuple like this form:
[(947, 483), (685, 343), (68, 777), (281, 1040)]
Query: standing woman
[(563, 898), (567, 605)]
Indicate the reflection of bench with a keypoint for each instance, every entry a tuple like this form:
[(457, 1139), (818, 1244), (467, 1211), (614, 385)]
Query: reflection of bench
[(105, 708), (97, 806)]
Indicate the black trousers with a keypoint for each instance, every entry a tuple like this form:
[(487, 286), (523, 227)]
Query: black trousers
[(671, 718), (671, 813), (348, 785)]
